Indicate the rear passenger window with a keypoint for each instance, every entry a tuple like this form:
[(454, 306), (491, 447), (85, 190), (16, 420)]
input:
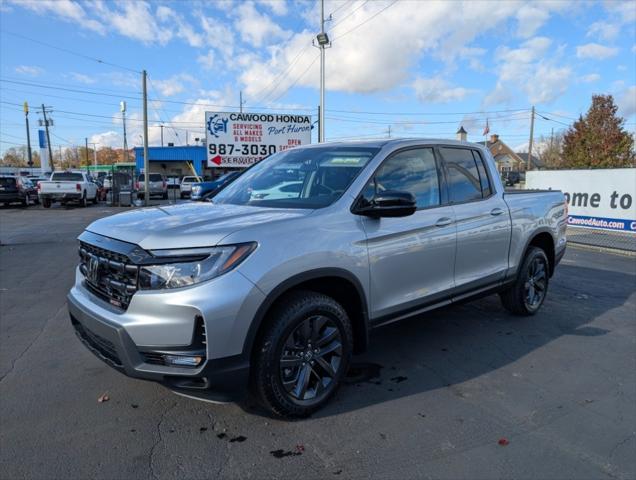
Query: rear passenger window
[(411, 171), (483, 176), (463, 178)]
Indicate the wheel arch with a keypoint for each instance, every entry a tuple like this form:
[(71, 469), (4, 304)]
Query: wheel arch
[(337, 283), (545, 241)]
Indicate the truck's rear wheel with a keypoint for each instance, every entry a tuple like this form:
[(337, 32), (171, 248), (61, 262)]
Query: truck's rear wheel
[(527, 294), (46, 202), (84, 201), (304, 354)]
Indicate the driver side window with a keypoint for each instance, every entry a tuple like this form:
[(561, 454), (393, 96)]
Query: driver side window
[(413, 171)]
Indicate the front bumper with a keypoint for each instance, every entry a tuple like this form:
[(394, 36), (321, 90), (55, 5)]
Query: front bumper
[(165, 321)]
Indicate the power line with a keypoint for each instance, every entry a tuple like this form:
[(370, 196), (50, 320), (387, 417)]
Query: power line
[(348, 15), (71, 52), (366, 21), (293, 84)]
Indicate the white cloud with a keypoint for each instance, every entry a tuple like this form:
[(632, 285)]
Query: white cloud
[(30, 70), (206, 61), (603, 30), (137, 21), (278, 7), (174, 85), (535, 68), (627, 102), (107, 139), (376, 53), (65, 9), (255, 27), (530, 18), (184, 30), (437, 90), (591, 78), (80, 77), (595, 51), (219, 36)]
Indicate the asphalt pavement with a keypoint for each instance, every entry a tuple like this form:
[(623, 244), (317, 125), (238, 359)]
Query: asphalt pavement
[(465, 392)]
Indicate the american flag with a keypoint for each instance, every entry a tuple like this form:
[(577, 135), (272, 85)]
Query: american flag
[(487, 129)]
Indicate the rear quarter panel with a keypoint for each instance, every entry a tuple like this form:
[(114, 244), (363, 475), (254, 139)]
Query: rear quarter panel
[(533, 213)]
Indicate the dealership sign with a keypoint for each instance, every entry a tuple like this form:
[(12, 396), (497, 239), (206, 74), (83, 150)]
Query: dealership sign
[(242, 139), (603, 199)]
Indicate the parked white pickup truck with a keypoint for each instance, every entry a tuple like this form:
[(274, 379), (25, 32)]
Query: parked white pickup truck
[(66, 187)]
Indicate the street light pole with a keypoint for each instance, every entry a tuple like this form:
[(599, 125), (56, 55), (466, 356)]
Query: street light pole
[(144, 76), (323, 42), (26, 117)]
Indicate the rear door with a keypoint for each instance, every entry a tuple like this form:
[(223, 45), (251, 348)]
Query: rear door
[(411, 258), (483, 220)]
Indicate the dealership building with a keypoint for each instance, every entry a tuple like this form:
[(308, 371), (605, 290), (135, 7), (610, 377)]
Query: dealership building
[(173, 161)]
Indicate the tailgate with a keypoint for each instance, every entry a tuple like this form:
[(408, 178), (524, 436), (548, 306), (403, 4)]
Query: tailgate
[(58, 187)]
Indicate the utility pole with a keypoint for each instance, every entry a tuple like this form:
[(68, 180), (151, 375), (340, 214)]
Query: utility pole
[(161, 135), (146, 160), (48, 138), (187, 138), (323, 42), (26, 117), (319, 124), (86, 154), (122, 107), (241, 101), (389, 131), (530, 141), (95, 154)]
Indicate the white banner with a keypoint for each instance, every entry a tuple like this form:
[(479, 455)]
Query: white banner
[(604, 199), (242, 139)]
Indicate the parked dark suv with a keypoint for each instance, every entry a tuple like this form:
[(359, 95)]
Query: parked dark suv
[(17, 189)]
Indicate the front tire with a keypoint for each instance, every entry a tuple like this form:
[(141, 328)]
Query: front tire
[(303, 355), (27, 200), (528, 293)]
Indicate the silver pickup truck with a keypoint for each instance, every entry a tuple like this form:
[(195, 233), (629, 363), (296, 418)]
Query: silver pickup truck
[(277, 292)]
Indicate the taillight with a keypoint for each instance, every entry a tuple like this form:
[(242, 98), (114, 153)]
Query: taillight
[(78, 187), (39, 187), (164, 184), (136, 185)]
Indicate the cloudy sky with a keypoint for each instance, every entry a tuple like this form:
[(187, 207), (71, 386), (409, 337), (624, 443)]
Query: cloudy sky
[(420, 68)]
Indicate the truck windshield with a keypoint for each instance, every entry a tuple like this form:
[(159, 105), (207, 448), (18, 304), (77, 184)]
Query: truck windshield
[(67, 177), (298, 178)]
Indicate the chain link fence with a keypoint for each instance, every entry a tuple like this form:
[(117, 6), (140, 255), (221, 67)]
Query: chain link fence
[(602, 238)]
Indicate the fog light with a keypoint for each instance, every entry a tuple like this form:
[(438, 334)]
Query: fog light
[(182, 360)]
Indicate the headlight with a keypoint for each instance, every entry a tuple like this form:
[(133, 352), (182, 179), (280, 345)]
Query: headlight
[(196, 189), (198, 265)]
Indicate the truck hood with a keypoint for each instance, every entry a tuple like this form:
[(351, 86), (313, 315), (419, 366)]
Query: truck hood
[(187, 225)]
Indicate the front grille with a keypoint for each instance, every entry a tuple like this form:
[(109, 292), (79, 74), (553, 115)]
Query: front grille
[(109, 275), (100, 345)]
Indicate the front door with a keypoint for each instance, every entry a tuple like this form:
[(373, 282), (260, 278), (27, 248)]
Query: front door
[(411, 258)]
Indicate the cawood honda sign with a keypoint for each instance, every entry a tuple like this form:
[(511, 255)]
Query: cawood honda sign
[(242, 139)]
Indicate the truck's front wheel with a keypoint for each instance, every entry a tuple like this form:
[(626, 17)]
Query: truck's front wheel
[(527, 294), (303, 355)]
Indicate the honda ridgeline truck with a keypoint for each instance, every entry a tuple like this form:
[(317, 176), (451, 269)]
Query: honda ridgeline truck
[(276, 292)]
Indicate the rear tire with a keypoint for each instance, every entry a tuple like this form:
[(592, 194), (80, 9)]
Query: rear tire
[(303, 355), (527, 294), (46, 202), (165, 196), (84, 201)]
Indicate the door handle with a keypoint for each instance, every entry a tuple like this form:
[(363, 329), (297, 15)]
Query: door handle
[(443, 222), (496, 211)]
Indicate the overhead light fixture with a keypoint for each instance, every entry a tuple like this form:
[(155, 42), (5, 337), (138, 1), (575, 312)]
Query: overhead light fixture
[(323, 38)]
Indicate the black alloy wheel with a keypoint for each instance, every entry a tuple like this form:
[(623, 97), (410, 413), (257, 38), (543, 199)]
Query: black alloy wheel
[(303, 354), (310, 359), (536, 283)]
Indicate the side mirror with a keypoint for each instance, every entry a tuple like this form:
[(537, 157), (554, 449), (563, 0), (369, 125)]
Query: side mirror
[(387, 204)]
